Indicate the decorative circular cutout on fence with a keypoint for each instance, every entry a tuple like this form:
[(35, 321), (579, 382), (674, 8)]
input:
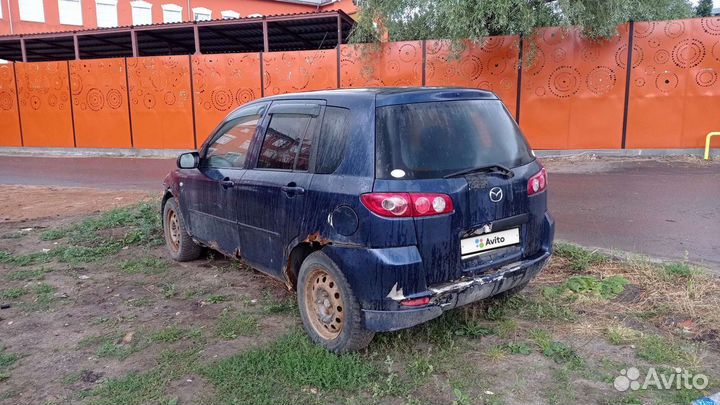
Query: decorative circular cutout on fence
[(492, 43), (706, 77), (590, 54), (207, 105), (552, 37), (288, 59), (644, 29), (471, 67), (52, 100), (621, 56), (653, 43), (114, 99), (171, 62), (497, 65), (243, 96), (506, 84), (540, 91), (433, 47), (35, 102), (666, 82), (221, 99), (601, 80), (564, 81), (95, 99), (169, 98), (661, 57), (640, 82), (6, 100), (559, 55), (688, 53), (302, 79), (5, 75), (392, 66), (76, 84), (430, 70), (711, 25), (407, 52), (149, 101), (674, 29), (535, 62)]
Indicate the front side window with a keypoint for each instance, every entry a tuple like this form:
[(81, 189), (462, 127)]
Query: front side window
[(70, 12), (230, 149), (431, 140), (284, 143)]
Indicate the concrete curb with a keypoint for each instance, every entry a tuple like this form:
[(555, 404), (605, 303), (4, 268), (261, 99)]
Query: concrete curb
[(625, 153), (173, 153), (92, 152)]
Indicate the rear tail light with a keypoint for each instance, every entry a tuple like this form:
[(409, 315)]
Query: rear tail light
[(415, 302), (537, 183), (407, 204)]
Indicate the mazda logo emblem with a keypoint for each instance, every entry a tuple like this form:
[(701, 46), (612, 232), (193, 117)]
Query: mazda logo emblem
[(496, 194)]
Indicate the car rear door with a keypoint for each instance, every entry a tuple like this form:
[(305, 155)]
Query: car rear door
[(272, 194)]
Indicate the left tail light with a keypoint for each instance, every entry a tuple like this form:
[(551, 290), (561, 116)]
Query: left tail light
[(408, 204), (537, 183)]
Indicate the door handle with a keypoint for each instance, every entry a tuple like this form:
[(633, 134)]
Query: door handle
[(227, 183), (292, 190)]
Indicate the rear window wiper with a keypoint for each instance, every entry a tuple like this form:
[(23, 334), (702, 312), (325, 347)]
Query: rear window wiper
[(483, 169)]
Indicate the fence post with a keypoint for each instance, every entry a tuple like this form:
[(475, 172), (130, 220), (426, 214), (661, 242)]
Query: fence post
[(628, 67)]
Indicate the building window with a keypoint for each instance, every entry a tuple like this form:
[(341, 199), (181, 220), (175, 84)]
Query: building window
[(202, 14), (70, 12), (1, 9), (107, 15), (32, 10), (141, 12), (228, 14), (254, 15), (172, 13)]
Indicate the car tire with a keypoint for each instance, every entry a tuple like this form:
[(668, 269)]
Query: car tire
[(330, 313), (178, 242)]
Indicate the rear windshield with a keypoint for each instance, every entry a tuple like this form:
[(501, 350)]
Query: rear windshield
[(430, 140)]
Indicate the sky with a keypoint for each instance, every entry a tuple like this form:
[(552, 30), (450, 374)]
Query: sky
[(716, 2)]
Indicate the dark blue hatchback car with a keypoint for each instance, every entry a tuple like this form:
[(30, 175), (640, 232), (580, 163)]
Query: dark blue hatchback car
[(381, 207)]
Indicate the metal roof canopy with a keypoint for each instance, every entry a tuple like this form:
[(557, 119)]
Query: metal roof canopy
[(287, 32)]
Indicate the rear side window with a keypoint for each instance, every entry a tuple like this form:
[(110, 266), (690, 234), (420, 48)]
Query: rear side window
[(430, 140), (283, 140), (331, 147)]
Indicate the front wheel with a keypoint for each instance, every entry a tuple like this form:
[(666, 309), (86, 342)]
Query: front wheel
[(179, 243), (330, 312)]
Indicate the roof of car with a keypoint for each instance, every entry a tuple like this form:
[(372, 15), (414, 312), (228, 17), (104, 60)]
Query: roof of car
[(393, 95)]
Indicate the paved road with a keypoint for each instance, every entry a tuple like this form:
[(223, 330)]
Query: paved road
[(668, 209)]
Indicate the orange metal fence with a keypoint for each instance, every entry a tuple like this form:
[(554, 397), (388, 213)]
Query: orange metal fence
[(570, 93)]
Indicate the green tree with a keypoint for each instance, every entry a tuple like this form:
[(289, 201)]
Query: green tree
[(473, 19), (704, 8)]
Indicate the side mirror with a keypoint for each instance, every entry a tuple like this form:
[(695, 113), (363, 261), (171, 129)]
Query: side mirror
[(189, 160)]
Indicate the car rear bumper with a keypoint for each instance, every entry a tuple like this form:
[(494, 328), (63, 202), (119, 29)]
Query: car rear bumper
[(452, 295)]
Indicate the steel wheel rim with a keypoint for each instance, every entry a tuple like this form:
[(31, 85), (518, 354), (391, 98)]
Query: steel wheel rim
[(324, 304), (173, 230)]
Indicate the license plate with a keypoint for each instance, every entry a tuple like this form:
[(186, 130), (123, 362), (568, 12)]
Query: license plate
[(482, 243)]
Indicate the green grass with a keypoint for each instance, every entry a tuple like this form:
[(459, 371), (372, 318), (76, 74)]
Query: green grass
[(28, 275), (146, 387), (170, 334), (13, 293), (278, 372), (7, 360), (660, 350), (682, 270), (607, 288), (146, 265), (233, 324), (580, 258), (93, 238), (216, 299), (559, 352)]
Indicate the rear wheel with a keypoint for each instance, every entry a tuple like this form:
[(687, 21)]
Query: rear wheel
[(330, 312), (179, 243)]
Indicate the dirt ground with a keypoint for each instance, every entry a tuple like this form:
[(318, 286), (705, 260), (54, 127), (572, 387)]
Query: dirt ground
[(97, 314)]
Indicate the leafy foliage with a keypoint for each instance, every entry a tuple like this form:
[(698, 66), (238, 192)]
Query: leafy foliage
[(458, 19), (704, 8)]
